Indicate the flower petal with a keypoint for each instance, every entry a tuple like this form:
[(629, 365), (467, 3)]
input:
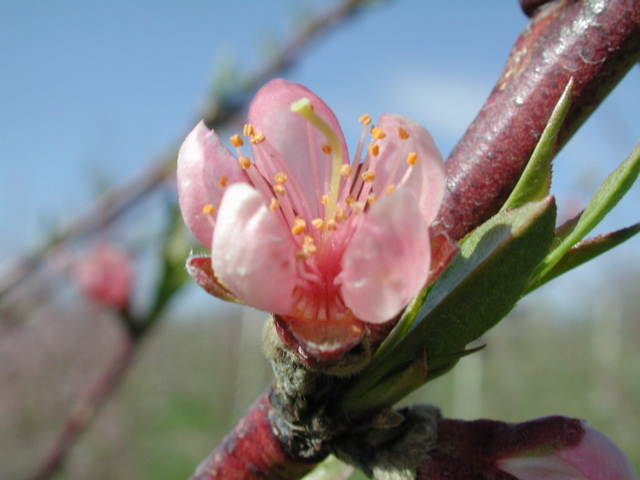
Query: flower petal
[(204, 165), (599, 458), (387, 261), (253, 254), (427, 180), (596, 457), (298, 142)]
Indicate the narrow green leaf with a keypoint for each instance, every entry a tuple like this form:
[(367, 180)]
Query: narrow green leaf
[(586, 250), (608, 195), (475, 292), (535, 182)]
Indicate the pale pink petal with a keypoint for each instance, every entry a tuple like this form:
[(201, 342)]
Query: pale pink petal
[(599, 458), (596, 457), (427, 180), (203, 165), (253, 253), (106, 276), (387, 261), (297, 141)]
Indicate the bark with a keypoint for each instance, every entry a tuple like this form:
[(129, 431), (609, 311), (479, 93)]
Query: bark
[(594, 41)]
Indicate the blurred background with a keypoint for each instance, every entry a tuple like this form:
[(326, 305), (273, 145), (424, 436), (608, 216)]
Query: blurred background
[(93, 95)]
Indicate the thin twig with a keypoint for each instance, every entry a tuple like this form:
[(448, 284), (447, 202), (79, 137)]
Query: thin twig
[(86, 409)]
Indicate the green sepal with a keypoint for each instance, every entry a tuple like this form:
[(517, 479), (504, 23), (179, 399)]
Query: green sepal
[(535, 182), (479, 287), (608, 195)]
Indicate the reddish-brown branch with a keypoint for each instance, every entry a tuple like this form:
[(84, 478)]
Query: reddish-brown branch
[(594, 42), (252, 451), (86, 409)]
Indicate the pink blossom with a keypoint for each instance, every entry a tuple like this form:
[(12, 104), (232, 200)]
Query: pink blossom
[(105, 275), (303, 232), (550, 448), (596, 457)]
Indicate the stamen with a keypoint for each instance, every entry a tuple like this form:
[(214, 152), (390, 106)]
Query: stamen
[(248, 130), (303, 107), (279, 189), (341, 216), (371, 199), (365, 119), (374, 149), (209, 209), (331, 225), (281, 178), (369, 176), (318, 223), (412, 158), (391, 188), (377, 133), (236, 141), (325, 199), (275, 204), (257, 138), (346, 170), (403, 133), (326, 148), (245, 162), (223, 180), (351, 199), (298, 226)]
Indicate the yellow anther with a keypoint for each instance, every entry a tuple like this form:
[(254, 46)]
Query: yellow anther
[(346, 170), (318, 223), (391, 188), (369, 176), (248, 130), (374, 149), (279, 189), (326, 148), (257, 138), (351, 199), (365, 119), (371, 199), (331, 225), (412, 158), (403, 133), (281, 178), (341, 215), (209, 209), (236, 141), (325, 199), (298, 226), (309, 246), (223, 180), (245, 162), (275, 204), (357, 207), (377, 133)]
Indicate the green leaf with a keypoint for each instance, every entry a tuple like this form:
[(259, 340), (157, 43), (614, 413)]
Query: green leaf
[(608, 195), (480, 286), (535, 182), (587, 250)]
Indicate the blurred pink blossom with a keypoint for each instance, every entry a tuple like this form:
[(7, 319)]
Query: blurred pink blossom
[(105, 275), (596, 457), (303, 232)]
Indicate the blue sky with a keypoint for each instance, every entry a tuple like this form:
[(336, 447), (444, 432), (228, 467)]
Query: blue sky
[(98, 89)]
